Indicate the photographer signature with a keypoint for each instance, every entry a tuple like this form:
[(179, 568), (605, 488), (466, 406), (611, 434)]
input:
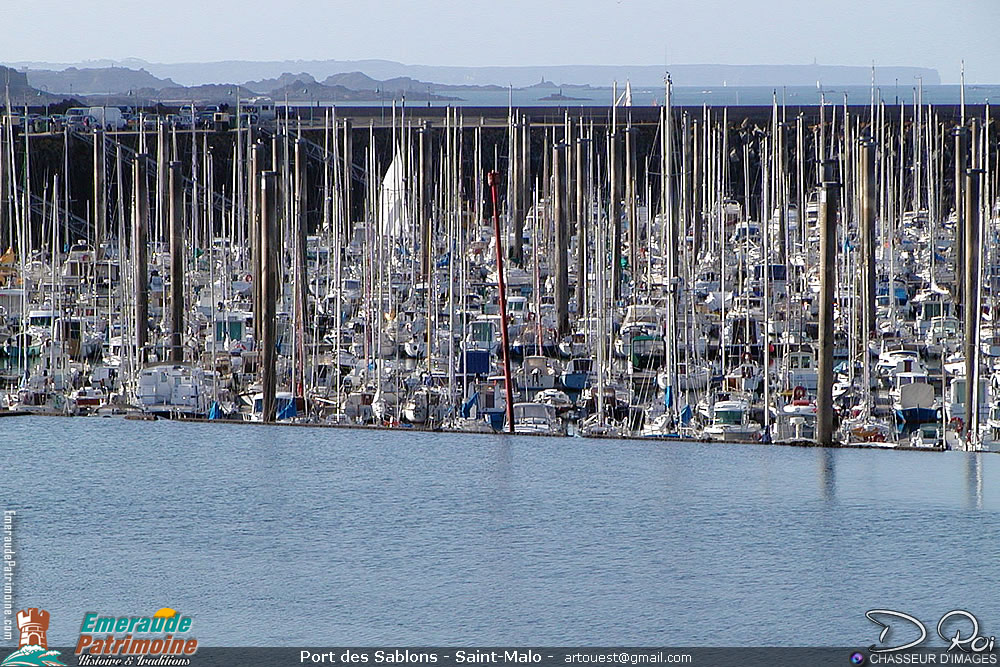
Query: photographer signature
[(973, 642)]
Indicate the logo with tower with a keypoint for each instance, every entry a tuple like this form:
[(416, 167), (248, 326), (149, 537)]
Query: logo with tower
[(33, 646)]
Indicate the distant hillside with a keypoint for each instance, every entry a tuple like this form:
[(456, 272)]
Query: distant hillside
[(265, 86), (95, 81), (322, 92), (595, 75), (213, 93), (352, 80), (16, 84), (124, 85), (397, 85)]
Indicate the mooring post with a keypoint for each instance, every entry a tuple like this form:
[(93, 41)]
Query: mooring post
[(162, 180), (100, 190), (522, 197), (561, 265), (424, 202), (301, 273), (961, 135), (693, 179), (630, 195), (176, 262), (582, 210), (971, 313), (867, 173), (348, 177), (514, 196), (269, 291), (140, 224), (781, 194), (829, 199), (569, 168), (253, 221), (615, 214)]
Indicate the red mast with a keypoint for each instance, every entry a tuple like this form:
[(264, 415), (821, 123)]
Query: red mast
[(501, 284)]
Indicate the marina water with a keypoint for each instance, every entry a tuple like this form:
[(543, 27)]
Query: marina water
[(288, 536)]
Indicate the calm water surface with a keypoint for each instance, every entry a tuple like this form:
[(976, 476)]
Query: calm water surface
[(285, 536)]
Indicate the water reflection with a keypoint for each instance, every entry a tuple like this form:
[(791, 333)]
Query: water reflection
[(974, 480), (827, 473)]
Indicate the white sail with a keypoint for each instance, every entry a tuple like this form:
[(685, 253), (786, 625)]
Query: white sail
[(394, 219)]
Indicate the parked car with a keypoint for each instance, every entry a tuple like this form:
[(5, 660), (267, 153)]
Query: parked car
[(78, 118), (206, 115), (178, 121)]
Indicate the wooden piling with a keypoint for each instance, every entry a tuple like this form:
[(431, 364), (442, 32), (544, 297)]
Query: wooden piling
[(162, 179), (561, 265), (699, 140), (523, 195), (269, 291), (140, 225), (615, 213), (629, 187), (829, 199), (961, 135), (971, 312), (176, 262), (514, 197), (253, 221), (582, 219), (100, 190), (426, 190), (348, 180), (570, 170), (300, 270), (781, 193), (866, 172)]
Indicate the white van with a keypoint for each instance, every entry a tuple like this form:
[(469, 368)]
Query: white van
[(110, 118), (260, 110)]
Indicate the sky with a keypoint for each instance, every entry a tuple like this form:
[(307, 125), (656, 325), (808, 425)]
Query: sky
[(925, 33)]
